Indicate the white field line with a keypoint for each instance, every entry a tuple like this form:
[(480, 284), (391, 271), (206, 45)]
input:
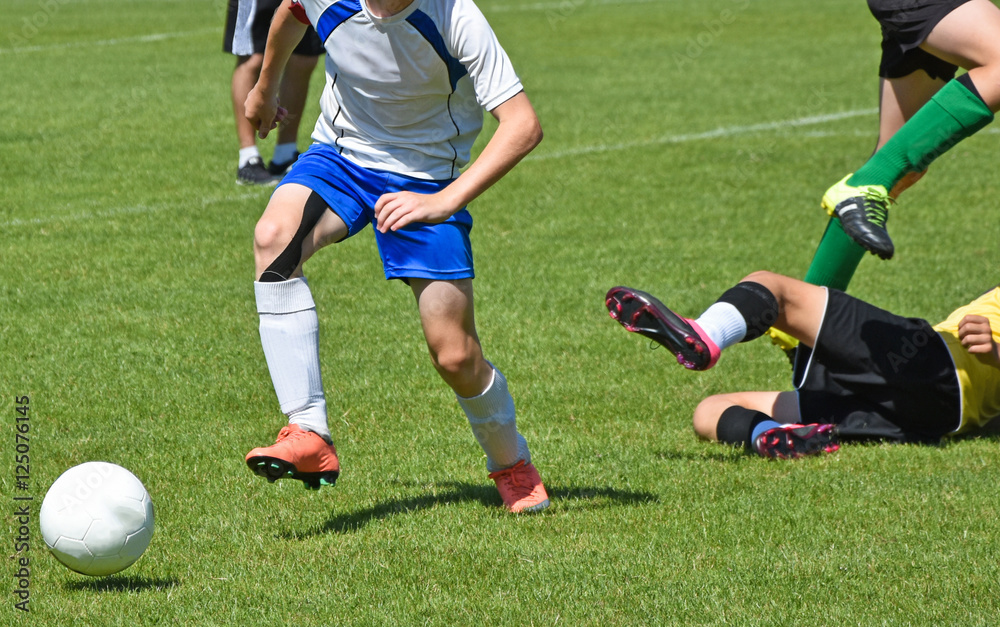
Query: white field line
[(562, 5), (129, 210), (725, 131), (141, 39), (729, 131)]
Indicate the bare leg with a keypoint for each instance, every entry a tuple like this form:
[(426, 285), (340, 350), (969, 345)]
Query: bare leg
[(781, 406), (800, 304), (293, 94), (282, 219), (969, 37), (446, 314), (899, 99), (244, 78)]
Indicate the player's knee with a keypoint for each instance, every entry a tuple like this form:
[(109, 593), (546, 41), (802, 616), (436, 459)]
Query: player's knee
[(269, 236), (764, 277), (706, 417), (454, 362)]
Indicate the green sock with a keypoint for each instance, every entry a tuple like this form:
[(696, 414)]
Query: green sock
[(954, 113), (836, 258)]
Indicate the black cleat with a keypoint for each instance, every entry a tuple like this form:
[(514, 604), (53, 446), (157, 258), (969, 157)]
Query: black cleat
[(641, 313), (863, 213)]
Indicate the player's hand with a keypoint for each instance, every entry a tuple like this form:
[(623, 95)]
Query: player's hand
[(263, 112), (395, 210), (977, 337)]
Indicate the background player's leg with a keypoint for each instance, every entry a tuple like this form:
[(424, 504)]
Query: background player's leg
[(969, 37), (293, 94), (251, 168), (837, 256)]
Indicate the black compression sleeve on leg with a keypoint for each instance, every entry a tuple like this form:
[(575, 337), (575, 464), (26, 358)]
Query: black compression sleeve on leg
[(966, 80), (736, 424), (285, 264), (756, 304)]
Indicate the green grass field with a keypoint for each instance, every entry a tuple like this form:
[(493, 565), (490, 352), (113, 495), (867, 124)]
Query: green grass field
[(687, 143)]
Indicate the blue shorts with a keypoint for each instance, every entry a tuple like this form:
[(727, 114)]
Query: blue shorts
[(426, 251)]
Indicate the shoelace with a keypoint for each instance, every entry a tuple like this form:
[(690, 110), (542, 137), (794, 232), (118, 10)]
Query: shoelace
[(513, 480), (876, 206), (286, 432)]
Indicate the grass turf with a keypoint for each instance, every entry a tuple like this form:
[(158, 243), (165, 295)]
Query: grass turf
[(687, 143)]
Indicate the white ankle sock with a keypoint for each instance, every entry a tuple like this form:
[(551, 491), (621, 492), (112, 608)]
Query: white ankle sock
[(491, 415), (248, 153), (724, 324), (289, 334)]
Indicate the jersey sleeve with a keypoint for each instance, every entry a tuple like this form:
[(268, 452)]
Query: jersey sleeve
[(475, 45), (299, 12)]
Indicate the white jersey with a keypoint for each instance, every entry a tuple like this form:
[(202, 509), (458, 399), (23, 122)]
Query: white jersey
[(406, 93)]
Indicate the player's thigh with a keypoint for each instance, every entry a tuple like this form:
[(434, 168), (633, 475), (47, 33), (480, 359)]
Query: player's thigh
[(446, 309), (295, 215), (969, 36)]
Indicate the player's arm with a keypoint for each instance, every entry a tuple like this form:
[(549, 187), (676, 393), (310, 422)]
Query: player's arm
[(976, 336), (262, 108), (517, 133)]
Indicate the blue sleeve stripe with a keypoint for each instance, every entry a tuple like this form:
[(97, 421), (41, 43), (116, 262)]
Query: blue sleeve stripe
[(426, 27), (335, 15)]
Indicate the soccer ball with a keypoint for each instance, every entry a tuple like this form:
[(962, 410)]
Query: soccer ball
[(97, 518)]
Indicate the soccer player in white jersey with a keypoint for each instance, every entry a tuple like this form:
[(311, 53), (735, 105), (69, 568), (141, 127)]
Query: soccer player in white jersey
[(407, 82)]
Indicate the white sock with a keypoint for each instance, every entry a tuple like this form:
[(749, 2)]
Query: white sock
[(248, 153), (723, 324), (289, 334), (491, 415), (283, 153)]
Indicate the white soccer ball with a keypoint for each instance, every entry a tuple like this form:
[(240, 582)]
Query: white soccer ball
[(97, 518)]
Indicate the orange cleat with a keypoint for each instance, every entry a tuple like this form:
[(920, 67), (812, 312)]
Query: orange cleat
[(297, 454), (521, 488)]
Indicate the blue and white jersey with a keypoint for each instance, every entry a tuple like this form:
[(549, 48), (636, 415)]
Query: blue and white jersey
[(406, 93)]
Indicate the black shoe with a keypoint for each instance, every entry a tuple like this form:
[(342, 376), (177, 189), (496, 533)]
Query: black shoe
[(863, 213), (640, 312), (254, 173), (280, 169)]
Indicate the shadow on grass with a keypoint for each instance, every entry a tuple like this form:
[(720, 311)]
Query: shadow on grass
[(458, 492), (123, 583)]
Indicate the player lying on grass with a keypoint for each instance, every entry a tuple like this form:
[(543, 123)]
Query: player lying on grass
[(407, 82), (860, 372)]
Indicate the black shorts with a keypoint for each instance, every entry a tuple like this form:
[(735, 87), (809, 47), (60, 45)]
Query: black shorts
[(877, 375), (905, 25), (246, 30)]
